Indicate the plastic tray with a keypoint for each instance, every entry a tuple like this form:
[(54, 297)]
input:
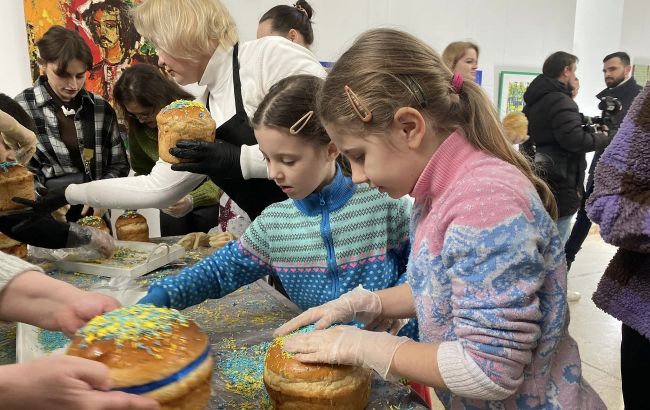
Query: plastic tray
[(160, 254)]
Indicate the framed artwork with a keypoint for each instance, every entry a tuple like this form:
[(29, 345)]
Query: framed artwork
[(641, 73), (512, 86), (107, 28)]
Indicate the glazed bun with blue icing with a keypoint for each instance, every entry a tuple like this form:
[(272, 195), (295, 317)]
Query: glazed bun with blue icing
[(155, 352), (183, 120)]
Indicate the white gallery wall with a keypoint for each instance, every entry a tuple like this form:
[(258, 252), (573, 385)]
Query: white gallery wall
[(511, 33)]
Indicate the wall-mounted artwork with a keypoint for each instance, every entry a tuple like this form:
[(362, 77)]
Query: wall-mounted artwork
[(641, 73), (105, 25), (512, 86)]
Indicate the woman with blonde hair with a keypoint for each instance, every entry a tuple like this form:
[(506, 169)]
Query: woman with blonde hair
[(486, 276), (197, 41), (462, 57)]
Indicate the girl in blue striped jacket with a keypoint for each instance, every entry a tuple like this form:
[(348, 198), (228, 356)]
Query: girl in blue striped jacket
[(331, 235)]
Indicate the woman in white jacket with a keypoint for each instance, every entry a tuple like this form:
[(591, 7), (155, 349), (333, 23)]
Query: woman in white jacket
[(197, 41)]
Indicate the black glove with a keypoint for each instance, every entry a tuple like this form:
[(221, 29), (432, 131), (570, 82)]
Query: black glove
[(45, 204), (219, 160)]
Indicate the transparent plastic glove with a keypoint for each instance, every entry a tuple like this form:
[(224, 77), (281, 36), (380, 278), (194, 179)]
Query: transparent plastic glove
[(194, 240), (219, 240), (358, 304), (346, 345), (17, 137), (91, 240), (59, 214), (392, 326), (65, 383), (69, 317), (180, 208)]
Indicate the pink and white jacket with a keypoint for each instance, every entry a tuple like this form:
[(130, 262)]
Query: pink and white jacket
[(488, 276)]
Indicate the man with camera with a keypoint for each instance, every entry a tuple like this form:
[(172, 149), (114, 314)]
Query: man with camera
[(614, 103), (558, 142)]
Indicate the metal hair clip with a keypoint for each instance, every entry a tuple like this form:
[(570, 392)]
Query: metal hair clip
[(359, 107), (417, 91), (302, 121)]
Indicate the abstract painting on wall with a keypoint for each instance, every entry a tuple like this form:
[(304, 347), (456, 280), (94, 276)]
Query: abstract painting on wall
[(641, 73), (105, 25), (512, 86)]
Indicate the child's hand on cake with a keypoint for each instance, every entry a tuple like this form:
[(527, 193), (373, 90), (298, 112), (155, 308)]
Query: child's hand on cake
[(72, 314), (64, 383), (346, 345), (358, 304)]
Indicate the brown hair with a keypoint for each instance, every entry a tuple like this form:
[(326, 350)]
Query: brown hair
[(284, 18), (287, 102), (455, 51), (389, 69), (60, 46), (145, 85)]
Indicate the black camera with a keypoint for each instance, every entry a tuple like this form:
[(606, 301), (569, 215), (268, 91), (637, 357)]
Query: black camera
[(609, 107)]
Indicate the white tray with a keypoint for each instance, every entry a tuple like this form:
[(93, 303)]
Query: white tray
[(160, 254), (28, 346)]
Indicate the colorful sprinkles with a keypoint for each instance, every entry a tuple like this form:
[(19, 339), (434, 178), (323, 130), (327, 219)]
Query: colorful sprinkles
[(50, 341), (133, 324), (4, 166), (183, 104), (93, 221)]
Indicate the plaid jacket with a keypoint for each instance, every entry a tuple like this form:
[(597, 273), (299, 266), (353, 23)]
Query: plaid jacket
[(95, 118)]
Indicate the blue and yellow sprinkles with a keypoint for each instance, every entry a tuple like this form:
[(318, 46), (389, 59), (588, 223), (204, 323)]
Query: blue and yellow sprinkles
[(183, 104), (135, 324)]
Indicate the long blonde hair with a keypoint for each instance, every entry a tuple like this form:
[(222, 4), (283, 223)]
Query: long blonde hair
[(186, 29), (389, 69), (455, 51)]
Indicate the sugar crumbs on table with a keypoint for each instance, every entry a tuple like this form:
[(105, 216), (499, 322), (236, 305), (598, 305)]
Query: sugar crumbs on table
[(243, 370), (50, 341)]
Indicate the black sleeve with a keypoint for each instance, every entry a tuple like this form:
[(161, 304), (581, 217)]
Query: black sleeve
[(568, 131), (43, 232)]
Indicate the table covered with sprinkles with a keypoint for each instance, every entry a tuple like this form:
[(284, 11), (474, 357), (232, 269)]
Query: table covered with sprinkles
[(240, 328)]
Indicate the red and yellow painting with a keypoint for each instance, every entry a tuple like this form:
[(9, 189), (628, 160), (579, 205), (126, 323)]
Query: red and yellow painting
[(105, 25)]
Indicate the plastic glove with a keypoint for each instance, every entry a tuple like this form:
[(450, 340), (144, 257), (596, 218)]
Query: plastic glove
[(64, 383), (358, 304), (17, 137), (218, 160), (180, 208), (220, 240), (91, 239), (69, 317), (194, 240), (392, 326), (59, 214), (45, 204), (346, 345)]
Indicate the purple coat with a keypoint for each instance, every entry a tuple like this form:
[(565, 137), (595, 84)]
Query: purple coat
[(620, 204)]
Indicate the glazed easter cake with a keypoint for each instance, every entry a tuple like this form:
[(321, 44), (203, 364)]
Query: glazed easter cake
[(155, 352), (183, 120), (132, 226), (294, 385)]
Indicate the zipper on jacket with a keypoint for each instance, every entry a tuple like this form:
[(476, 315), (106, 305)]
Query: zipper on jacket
[(326, 233)]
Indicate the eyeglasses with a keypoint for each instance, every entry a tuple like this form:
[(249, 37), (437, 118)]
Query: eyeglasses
[(143, 117)]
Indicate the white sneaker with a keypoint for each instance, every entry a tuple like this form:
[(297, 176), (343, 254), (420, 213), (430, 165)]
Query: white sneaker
[(573, 296)]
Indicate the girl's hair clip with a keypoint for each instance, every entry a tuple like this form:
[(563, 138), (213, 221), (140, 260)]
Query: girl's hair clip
[(301, 9), (359, 107), (300, 124), (457, 82)]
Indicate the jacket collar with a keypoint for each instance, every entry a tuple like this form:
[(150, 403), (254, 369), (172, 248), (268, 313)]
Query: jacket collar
[(444, 166), (332, 196), (626, 86), (42, 96), (219, 69)]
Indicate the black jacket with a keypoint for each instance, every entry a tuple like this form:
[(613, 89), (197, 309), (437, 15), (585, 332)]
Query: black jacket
[(625, 93), (558, 142)]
